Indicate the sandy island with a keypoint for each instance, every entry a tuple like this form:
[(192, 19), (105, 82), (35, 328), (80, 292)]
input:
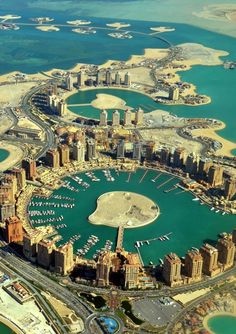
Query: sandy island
[(48, 28), (162, 29), (106, 101), (128, 209), (79, 22), (118, 25), (10, 17)]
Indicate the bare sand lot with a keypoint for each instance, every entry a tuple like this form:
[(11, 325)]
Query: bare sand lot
[(12, 93), (5, 123), (128, 209), (227, 146), (170, 138)]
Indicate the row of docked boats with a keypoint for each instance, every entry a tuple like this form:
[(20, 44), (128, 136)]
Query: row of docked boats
[(48, 220), (57, 227), (53, 204), (216, 210), (63, 198), (34, 213), (107, 247), (92, 177), (108, 176), (92, 240), (80, 181), (74, 238), (68, 186)]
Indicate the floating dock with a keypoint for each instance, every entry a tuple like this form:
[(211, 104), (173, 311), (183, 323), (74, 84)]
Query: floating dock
[(147, 241)]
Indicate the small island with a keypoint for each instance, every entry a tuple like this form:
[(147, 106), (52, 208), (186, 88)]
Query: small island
[(84, 31), (47, 28), (162, 29), (79, 22), (106, 101), (9, 17), (118, 25), (129, 209)]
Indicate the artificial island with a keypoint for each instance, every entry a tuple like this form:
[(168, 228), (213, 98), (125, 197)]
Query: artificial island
[(88, 132)]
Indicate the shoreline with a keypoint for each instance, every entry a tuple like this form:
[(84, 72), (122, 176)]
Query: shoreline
[(213, 315), (213, 133), (10, 324), (15, 155)]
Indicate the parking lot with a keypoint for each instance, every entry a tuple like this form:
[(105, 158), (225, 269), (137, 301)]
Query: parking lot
[(156, 311)]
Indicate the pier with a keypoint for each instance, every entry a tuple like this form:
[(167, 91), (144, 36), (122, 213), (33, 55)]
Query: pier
[(171, 189), (142, 178), (162, 184), (147, 241), (120, 237), (156, 177), (129, 176)]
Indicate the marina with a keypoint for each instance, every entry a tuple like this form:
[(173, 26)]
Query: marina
[(176, 213)]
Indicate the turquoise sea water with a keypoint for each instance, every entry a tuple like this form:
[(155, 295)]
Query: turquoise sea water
[(223, 324), (5, 330), (132, 99), (3, 154), (191, 224), (31, 50)]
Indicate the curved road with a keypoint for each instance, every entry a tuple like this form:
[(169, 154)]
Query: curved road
[(26, 108)]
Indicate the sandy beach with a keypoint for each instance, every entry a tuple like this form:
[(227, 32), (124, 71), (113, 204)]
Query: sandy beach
[(214, 314), (227, 146), (10, 324), (16, 154)]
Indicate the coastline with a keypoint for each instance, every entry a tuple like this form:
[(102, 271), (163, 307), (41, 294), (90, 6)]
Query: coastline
[(216, 314), (192, 59), (9, 323), (227, 145), (15, 154)]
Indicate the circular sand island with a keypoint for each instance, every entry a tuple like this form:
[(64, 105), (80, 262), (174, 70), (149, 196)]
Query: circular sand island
[(106, 101), (124, 208)]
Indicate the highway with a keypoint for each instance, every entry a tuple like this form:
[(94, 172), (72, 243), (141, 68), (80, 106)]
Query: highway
[(26, 108), (52, 316), (28, 272)]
